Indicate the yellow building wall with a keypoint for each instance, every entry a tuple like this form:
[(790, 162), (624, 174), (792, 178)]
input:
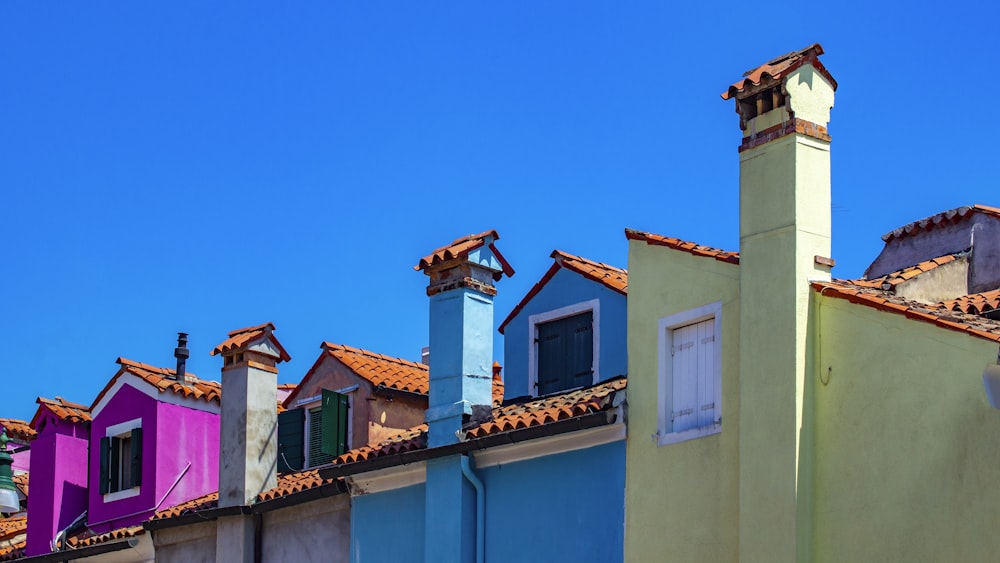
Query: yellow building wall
[(682, 500), (907, 449)]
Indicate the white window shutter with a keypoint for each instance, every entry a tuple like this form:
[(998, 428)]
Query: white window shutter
[(685, 375), (706, 373)]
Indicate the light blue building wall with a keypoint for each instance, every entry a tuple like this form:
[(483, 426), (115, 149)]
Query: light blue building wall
[(565, 289), (564, 507), (388, 526)]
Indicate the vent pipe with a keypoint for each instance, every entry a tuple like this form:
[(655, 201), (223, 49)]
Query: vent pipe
[(182, 353)]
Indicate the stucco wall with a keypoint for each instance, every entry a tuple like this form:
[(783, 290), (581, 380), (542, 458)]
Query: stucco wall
[(566, 288), (682, 500), (194, 543), (906, 463), (564, 507), (388, 526), (58, 483), (185, 436), (315, 531)]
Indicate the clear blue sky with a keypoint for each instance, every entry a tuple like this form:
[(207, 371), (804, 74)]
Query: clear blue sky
[(203, 166)]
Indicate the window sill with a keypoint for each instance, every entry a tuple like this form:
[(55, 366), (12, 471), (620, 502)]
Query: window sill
[(692, 434), (119, 495)]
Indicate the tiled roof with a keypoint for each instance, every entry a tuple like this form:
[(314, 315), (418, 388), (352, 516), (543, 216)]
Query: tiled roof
[(610, 276), (461, 248), (163, 379), (777, 67), (21, 481), (890, 281), (976, 303), (118, 534), (942, 219), (63, 409), (239, 338), (18, 430), (287, 386), (938, 315), (379, 369), (12, 526), (528, 414), (12, 537), (204, 502), (13, 552), (689, 247), (497, 385)]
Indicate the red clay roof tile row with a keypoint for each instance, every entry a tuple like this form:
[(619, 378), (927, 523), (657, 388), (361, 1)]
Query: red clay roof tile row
[(18, 430), (204, 502), (163, 379), (379, 369), (241, 337), (777, 67), (21, 481), (413, 439), (460, 248), (889, 281), (13, 551), (610, 276), (889, 302), (689, 247), (117, 534), (12, 526), (63, 410), (975, 303), (942, 219)]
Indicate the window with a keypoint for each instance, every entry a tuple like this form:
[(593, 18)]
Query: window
[(690, 374), (121, 460), (314, 435), (564, 350)]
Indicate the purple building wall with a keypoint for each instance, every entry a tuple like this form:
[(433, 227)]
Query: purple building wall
[(58, 481), (186, 436)]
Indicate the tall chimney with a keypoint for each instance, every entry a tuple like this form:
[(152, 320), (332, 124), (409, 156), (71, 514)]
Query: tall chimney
[(182, 353), (461, 291), (784, 107), (248, 453)]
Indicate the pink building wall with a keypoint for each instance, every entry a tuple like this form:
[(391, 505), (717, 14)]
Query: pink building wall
[(186, 436), (58, 482)]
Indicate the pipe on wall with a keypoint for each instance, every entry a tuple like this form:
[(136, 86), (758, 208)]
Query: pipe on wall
[(480, 508)]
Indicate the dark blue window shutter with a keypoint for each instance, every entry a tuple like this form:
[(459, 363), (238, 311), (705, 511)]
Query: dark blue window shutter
[(136, 457), (335, 407), (291, 429), (105, 476), (565, 353)]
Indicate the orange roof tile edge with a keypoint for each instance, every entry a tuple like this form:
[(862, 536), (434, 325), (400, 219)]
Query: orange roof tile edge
[(162, 379), (570, 262), (855, 295), (893, 279), (18, 430), (689, 247), (974, 303), (62, 409), (240, 337), (417, 382), (462, 247), (117, 534), (948, 217), (778, 67)]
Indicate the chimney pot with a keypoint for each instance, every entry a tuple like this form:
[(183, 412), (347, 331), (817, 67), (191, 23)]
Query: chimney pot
[(182, 353)]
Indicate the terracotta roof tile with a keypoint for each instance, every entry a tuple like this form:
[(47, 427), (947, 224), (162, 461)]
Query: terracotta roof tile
[(162, 379), (118, 534), (889, 281), (976, 303), (13, 552), (610, 276), (12, 526), (241, 337), (413, 439), (689, 247), (21, 481), (63, 409), (18, 430), (777, 67), (204, 502), (938, 315), (379, 369), (461, 248), (942, 219)]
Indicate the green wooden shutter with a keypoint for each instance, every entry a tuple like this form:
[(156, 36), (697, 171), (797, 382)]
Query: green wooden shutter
[(136, 457), (291, 430), (334, 433), (105, 477)]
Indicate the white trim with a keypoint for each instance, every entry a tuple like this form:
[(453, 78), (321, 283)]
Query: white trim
[(665, 327), (554, 315), (387, 479), (118, 495), (121, 430), (155, 393), (551, 445)]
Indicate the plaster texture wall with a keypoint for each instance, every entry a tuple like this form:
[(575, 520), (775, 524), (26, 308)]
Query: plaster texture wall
[(388, 526), (194, 543), (947, 281), (248, 434), (906, 463), (315, 531), (682, 499), (564, 507), (58, 482), (948, 239), (566, 288), (185, 436), (374, 417)]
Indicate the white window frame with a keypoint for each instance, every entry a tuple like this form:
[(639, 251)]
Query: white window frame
[(593, 305), (666, 325), (314, 402), (121, 430)]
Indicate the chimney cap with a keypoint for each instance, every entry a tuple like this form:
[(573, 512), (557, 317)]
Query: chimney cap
[(244, 338), (773, 70), (461, 248)]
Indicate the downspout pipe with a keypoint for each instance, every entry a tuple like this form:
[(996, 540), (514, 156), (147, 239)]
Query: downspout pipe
[(480, 508)]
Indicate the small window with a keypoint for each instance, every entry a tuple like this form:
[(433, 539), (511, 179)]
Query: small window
[(690, 378), (314, 435), (565, 351), (121, 460)]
